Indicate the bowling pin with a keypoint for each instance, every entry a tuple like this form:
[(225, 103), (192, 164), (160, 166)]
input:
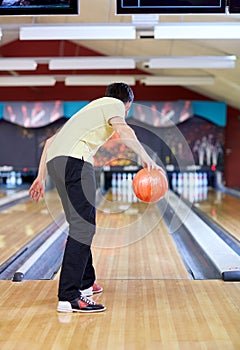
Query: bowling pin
[(200, 179), (114, 180), (205, 179), (12, 178), (114, 186), (119, 187), (174, 181), (19, 179), (180, 179)]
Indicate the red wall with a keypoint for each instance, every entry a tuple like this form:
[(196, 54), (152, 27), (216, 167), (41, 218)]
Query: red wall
[(72, 93), (232, 149)]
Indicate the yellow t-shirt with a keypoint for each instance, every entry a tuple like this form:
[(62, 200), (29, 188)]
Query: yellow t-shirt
[(87, 130)]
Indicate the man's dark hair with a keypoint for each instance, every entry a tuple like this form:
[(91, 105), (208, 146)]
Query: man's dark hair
[(121, 91)]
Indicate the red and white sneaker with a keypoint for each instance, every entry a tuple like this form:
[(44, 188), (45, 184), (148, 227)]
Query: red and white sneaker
[(80, 304), (95, 289)]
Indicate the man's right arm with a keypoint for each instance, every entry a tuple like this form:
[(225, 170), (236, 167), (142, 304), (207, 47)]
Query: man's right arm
[(128, 137)]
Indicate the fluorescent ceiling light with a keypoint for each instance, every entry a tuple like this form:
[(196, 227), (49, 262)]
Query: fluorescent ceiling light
[(204, 30), (177, 80), (27, 80), (78, 32), (17, 64), (97, 80), (191, 62), (92, 63)]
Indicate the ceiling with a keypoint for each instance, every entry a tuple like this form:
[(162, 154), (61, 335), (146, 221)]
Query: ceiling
[(227, 81)]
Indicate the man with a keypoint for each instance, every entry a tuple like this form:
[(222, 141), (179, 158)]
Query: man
[(68, 158)]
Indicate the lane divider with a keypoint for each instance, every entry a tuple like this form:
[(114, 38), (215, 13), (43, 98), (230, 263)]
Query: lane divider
[(226, 260), (21, 272)]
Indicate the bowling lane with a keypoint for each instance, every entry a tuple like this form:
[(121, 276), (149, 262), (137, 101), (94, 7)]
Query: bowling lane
[(6, 192), (9, 197), (20, 223), (133, 242), (224, 209), (2, 194)]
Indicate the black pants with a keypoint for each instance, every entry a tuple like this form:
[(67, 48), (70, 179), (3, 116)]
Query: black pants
[(75, 182)]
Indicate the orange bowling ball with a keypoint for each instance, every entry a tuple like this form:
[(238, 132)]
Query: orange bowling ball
[(150, 186)]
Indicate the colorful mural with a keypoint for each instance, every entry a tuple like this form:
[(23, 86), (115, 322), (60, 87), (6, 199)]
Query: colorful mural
[(171, 133)]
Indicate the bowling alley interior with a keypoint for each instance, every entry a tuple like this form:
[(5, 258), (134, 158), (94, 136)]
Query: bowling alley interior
[(170, 267)]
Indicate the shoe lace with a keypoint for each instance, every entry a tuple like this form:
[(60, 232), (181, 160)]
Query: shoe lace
[(87, 300)]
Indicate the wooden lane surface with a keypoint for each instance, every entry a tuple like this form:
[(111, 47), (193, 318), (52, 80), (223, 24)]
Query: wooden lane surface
[(7, 191), (138, 245), (224, 210), (2, 194), (149, 314), (22, 222), (132, 242)]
